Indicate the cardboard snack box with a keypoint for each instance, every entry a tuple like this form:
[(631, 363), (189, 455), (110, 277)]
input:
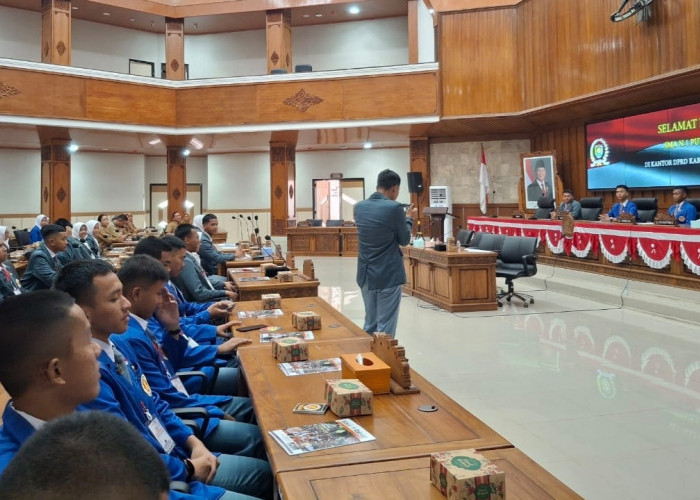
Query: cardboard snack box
[(285, 276), (348, 397), (271, 301), (306, 320), (287, 349), (467, 475)]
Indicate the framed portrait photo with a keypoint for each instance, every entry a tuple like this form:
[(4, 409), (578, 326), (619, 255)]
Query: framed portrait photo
[(539, 177)]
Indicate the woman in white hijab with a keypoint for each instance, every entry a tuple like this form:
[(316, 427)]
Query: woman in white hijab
[(35, 234), (5, 237), (91, 241), (80, 233), (197, 221)]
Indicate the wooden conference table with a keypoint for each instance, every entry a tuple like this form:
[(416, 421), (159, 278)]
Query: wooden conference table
[(410, 478), (397, 461), (317, 240), (251, 290)]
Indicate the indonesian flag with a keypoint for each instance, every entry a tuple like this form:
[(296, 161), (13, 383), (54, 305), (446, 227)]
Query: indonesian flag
[(483, 183)]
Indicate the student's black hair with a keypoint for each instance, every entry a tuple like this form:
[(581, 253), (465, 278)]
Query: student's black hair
[(77, 279)]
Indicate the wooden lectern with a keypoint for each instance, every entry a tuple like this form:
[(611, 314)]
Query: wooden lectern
[(436, 227)]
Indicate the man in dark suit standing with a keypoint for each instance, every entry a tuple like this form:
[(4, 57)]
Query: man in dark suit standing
[(44, 263), (541, 186), (382, 225)]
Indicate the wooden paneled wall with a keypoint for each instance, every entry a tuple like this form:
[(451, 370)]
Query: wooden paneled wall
[(541, 52), (38, 94)]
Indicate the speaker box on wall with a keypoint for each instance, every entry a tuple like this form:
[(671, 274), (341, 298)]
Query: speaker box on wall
[(415, 182)]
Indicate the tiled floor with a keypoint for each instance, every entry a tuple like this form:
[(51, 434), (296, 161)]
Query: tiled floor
[(605, 397)]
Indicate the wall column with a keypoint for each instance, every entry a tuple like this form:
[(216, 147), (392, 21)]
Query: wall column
[(412, 31), (177, 179), (279, 39), (283, 204), (55, 32), (420, 162), (174, 48), (55, 177)]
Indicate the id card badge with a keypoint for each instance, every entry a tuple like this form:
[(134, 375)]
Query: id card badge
[(191, 343), (161, 435), (177, 384)]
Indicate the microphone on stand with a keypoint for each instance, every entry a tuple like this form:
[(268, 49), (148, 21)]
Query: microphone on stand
[(278, 250), (240, 232)]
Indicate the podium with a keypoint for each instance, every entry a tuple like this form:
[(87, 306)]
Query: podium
[(436, 226)]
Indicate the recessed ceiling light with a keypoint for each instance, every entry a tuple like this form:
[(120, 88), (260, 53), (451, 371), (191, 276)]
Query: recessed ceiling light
[(185, 152), (306, 15), (73, 147), (318, 14), (74, 8), (132, 20), (106, 14), (368, 145), (431, 11), (155, 141), (354, 10)]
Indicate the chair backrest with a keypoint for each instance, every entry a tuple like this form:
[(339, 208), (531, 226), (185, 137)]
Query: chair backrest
[(514, 247), (591, 208), (464, 236), (303, 68), (545, 205), (696, 203), (491, 242), (22, 237), (334, 222), (476, 238), (316, 222), (646, 209)]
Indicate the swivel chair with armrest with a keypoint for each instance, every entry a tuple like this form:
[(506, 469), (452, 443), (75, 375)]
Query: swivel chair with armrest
[(22, 237), (464, 237), (517, 260), (646, 209), (591, 208), (545, 206), (696, 203), (491, 242), (334, 222)]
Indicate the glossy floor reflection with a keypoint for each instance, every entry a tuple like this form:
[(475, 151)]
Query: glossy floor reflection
[(605, 397)]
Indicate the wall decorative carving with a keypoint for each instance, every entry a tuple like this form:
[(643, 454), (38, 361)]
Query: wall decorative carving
[(177, 194), (274, 58), (61, 48), (286, 59), (291, 154), (45, 153), (46, 194), (61, 195), (278, 226), (303, 100), (278, 192), (7, 90), (174, 65), (46, 49), (419, 149), (291, 192), (62, 4)]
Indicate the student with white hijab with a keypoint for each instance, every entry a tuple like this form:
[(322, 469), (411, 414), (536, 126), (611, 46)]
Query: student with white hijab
[(5, 237), (35, 234), (80, 233), (91, 239)]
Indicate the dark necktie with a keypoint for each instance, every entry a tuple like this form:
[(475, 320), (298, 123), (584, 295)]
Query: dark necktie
[(120, 363), (161, 355), (7, 274)]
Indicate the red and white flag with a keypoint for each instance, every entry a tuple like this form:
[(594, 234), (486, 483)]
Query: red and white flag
[(483, 183)]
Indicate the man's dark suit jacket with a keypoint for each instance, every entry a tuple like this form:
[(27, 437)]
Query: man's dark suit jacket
[(210, 257), (6, 288), (193, 283), (381, 227), (534, 192), (41, 270)]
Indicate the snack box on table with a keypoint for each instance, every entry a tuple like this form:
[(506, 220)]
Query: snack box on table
[(348, 397)]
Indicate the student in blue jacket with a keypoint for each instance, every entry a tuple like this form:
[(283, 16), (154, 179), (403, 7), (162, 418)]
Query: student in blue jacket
[(126, 391)]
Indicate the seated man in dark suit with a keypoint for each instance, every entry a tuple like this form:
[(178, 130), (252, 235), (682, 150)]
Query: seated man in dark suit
[(210, 257), (121, 463), (44, 262), (192, 280), (623, 205), (74, 250), (569, 205), (9, 280), (683, 211)]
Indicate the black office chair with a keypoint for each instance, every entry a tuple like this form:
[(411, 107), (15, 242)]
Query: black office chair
[(316, 222), (591, 208), (465, 236), (696, 203), (545, 206), (646, 209), (476, 239), (303, 68), (334, 222), (491, 242), (278, 71), (517, 260), (22, 237)]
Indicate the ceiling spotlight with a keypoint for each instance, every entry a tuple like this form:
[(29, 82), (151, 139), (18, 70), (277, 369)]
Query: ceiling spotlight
[(74, 7), (106, 14), (318, 14), (155, 141), (354, 10), (185, 152), (196, 143), (431, 11), (368, 145), (306, 15), (132, 20), (73, 147)]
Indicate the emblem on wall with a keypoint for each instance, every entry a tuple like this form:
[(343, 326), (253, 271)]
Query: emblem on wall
[(303, 100)]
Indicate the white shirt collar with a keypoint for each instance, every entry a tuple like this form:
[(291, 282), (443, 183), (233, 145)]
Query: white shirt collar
[(37, 423), (107, 347), (52, 254), (142, 322)]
